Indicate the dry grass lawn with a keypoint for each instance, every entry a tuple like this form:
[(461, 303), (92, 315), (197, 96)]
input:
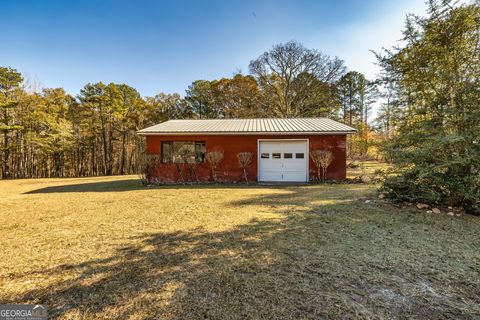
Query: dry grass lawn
[(370, 169), (108, 248)]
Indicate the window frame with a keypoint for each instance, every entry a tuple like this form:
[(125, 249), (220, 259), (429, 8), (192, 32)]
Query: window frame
[(197, 145), (200, 155), (163, 158)]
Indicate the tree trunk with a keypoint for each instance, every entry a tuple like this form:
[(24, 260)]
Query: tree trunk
[(121, 169), (93, 161), (105, 151), (245, 175), (214, 173), (109, 169), (5, 166), (106, 147), (194, 172), (180, 173), (190, 171)]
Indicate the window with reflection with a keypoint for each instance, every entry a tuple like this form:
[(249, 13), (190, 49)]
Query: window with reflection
[(183, 151)]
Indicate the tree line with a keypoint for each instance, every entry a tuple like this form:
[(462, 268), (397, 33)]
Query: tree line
[(52, 133)]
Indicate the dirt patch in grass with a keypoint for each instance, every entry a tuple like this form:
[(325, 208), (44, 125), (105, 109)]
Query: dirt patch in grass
[(110, 248)]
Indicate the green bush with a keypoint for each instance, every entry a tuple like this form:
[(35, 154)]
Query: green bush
[(436, 148), (443, 170)]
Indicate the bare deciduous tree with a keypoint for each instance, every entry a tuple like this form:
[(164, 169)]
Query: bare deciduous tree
[(322, 159), (214, 158), (149, 166), (177, 159), (245, 160), (297, 81), (187, 154)]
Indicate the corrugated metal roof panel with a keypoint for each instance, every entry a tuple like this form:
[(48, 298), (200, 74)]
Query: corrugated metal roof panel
[(247, 126)]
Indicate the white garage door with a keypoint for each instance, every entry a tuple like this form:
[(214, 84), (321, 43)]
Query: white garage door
[(283, 160)]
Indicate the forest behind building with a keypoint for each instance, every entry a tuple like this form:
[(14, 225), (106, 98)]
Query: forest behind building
[(52, 133)]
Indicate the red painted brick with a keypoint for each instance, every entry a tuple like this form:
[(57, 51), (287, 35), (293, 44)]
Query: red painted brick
[(229, 169)]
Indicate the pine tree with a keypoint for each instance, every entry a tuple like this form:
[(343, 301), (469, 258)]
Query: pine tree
[(10, 81)]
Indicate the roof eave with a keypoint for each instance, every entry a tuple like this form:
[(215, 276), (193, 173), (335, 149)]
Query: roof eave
[(196, 133)]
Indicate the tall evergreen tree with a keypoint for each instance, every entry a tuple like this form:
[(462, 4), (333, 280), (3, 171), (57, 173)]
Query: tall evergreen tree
[(10, 81), (437, 77), (199, 96), (356, 95), (390, 112)]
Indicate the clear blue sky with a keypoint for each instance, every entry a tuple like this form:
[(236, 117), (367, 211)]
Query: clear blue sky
[(162, 46)]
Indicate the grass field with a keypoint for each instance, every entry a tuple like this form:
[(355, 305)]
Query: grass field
[(108, 248)]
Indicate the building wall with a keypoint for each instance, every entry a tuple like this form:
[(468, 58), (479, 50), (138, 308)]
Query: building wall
[(229, 170)]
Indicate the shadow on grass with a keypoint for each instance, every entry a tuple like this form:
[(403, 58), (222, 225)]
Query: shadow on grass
[(322, 260), (134, 184), (101, 186)]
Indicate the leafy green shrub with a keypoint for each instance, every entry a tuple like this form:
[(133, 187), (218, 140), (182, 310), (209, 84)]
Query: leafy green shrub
[(445, 171)]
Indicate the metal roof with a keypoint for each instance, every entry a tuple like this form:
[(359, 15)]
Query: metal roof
[(249, 126)]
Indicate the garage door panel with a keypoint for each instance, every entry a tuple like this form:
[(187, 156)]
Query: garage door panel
[(283, 161), (275, 164), (293, 176), (271, 176)]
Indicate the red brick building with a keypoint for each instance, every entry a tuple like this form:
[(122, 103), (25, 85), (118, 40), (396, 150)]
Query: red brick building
[(280, 148)]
